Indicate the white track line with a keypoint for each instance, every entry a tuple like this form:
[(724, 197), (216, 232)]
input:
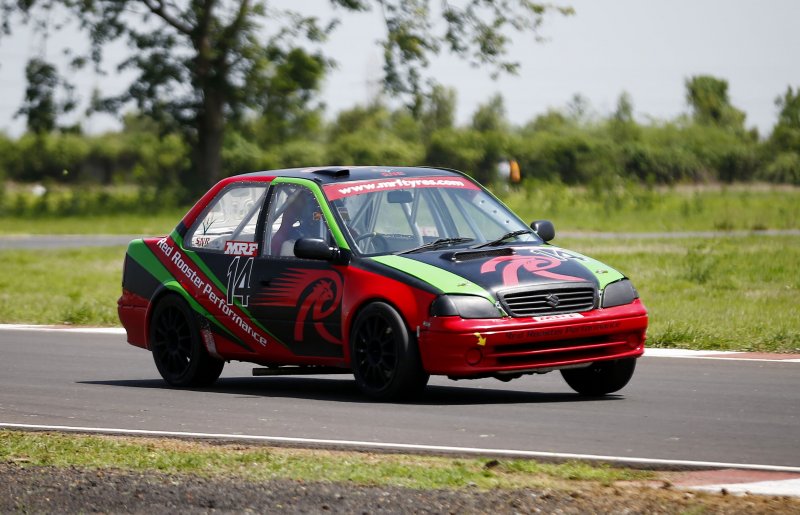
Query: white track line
[(709, 354), (391, 446), (66, 329)]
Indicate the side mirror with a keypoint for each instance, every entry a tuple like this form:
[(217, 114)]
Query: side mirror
[(314, 248), (544, 229)]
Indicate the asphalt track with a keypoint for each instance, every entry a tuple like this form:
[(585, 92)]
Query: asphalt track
[(681, 410)]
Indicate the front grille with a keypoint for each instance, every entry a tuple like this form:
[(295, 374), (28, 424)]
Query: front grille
[(549, 299)]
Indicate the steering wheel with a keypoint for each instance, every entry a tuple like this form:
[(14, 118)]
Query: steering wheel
[(376, 241)]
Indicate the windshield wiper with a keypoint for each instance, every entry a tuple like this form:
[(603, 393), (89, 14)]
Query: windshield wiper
[(502, 238), (433, 245)]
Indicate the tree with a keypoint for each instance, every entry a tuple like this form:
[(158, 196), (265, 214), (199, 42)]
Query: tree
[(785, 135), (708, 98), (438, 110), (621, 126), (491, 116), (41, 107), (201, 63), (624, 111)]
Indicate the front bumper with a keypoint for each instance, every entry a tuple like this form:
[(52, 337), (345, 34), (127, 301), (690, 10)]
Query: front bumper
[(463, 348)]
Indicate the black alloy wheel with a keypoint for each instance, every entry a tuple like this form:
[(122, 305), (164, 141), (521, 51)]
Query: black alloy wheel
[(384, 358), (178, 352)]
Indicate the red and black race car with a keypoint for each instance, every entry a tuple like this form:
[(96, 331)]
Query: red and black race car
[(391, 273)]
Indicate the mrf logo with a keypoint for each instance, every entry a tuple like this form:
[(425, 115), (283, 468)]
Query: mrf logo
[(241, 248)]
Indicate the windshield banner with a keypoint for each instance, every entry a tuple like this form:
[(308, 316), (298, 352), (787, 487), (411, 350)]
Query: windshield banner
[(348, 189)]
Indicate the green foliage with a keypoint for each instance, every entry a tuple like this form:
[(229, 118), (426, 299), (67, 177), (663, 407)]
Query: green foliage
[(364, 148), (240, 155), (55, 156), (568, 146), (570, 155), (784, 168), (41, 108), (460, 149), (708, 97), (302, 153), (160, 161), (491, 116), (55, 201), (373, 135), (374, 117), (786, 134), (438, 110), (8, 150), (201, 65), (660, 164)]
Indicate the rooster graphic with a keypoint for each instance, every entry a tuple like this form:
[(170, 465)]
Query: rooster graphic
[(315, 293), (536, 264)]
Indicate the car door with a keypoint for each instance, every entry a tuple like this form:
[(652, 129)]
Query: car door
[(299, 300), (224, 243)]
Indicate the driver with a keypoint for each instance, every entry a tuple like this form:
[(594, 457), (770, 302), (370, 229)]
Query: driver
[(299, 220)]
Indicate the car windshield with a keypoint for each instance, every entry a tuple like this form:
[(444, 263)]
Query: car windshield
[(393, 216)]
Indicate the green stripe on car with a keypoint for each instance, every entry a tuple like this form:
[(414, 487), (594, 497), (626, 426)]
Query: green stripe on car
[(445, 281)]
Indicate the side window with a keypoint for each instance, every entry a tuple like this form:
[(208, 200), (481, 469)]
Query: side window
[(231, 217), (294, 213)]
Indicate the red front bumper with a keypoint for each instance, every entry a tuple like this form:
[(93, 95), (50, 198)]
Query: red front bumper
[(465, 348)]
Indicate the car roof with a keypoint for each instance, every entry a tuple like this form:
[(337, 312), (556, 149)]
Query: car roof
[(337, 174)]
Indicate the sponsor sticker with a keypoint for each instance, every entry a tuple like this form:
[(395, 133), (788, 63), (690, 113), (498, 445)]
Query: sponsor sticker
[(219, 303), (337, 191), (241, 248), (564, 316), (201, 241)]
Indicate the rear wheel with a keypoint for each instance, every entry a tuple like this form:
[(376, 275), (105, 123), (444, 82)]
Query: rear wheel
[(179, 353), (600, 378), (384, 357)]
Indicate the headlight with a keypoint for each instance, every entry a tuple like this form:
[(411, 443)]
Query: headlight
[(619, 293), (465, 306)]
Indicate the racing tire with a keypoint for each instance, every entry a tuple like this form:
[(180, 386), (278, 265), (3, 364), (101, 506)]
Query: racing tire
[(600, 378), (384, 357), (178, 351)]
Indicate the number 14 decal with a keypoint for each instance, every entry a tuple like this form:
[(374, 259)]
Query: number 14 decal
[(239, 280)]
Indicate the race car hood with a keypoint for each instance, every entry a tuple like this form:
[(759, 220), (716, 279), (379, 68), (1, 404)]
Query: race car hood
[(484, 272)]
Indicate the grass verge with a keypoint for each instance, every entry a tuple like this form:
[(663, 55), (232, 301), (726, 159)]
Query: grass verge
[(723, 294), (633, 208), (261, 463), (66, 286)]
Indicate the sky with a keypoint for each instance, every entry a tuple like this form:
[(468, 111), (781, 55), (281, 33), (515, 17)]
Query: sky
[(646, 48)]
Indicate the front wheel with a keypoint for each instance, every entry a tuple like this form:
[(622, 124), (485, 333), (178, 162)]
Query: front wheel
[(600, 378), (384, 357), (179, 353)]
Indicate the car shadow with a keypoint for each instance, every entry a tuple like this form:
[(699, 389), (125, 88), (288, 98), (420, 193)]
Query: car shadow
[(345, 390)]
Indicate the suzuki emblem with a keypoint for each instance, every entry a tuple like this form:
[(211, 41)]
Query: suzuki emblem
[(552, 300)]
